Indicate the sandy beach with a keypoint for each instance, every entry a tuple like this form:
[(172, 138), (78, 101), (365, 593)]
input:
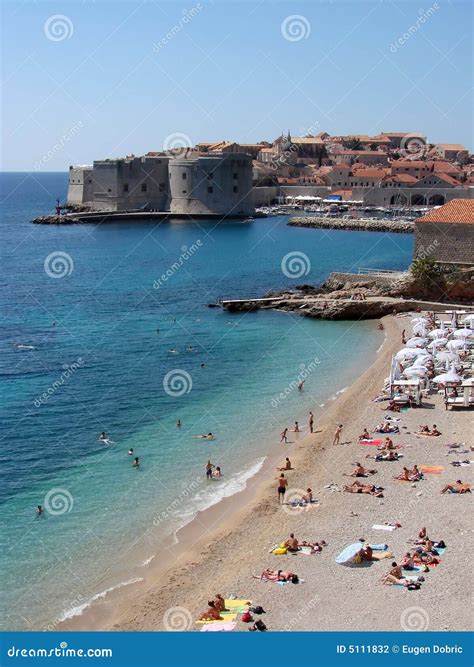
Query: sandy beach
[(222, 549)]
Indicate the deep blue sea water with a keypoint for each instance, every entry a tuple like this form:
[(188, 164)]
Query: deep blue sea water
[(80, 354)]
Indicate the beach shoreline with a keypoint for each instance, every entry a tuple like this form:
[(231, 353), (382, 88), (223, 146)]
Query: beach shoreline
[(220, 550), (219, 521)]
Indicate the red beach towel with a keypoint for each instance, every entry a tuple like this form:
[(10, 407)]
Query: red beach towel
[(373, 443)]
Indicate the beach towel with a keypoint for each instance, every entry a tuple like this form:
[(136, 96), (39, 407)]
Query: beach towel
[(379, 547), (431, 469), (372, 442), (239, 604), (302, 503), (226, 616), (380, 555), (219, 626), (377, 526)]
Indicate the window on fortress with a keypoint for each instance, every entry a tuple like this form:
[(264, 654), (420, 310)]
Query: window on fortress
[(184, 175), (235, 176), (125, 187), (235, 188), (109, 190), (210, 189), (183, 192), (143, 187), (90, 180)]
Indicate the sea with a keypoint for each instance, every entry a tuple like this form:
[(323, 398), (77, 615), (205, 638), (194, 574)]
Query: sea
[(108, 328)]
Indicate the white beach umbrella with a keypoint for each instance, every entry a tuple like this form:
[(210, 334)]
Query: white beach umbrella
[(463, 333), (438, 342), (469, 319), (437, 333), (421, 327), (417, 342), (451, 377), (422, 360), (408, 353), (447, 356), (416, 371), (457, 345), (420, 319)]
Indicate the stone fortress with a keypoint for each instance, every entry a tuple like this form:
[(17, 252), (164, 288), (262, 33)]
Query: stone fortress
[(189, 184)]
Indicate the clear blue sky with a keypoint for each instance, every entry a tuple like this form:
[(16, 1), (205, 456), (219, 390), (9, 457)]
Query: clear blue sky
[(226, 73)]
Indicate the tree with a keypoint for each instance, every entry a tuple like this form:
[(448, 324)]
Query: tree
[(428, 277)]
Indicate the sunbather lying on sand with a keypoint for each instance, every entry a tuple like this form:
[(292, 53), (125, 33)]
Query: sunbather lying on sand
[(386, 456), (392, 406), (458, 487), (280, 575), (407, 562), (358, 487), (211, 614), (386, 427), (315, 546), (425, 430)]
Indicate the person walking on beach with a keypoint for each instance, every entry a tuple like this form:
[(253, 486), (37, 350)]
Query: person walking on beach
[(209, 467), (282, 484), (311, 422), (297, 427), (337, 434), (283, 437)]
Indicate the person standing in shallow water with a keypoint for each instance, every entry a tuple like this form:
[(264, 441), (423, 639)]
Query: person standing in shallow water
[(311, 422)]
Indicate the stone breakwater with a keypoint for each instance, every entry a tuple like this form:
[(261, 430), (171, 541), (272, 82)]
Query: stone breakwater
[(399, 226)]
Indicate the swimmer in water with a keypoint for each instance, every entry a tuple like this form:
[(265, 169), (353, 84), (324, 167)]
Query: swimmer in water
[(136, 462), (203, 366), (217, 472), (190, 348), (39, 510), (173, 351), (209, 436), (301, 384), (178, 423), (130, 451), (103, 436)]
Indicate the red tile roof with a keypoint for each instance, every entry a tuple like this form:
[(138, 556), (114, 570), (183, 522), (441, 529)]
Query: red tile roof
[(457, 211)]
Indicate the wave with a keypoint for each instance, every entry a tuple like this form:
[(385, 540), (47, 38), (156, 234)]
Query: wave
[(221, 489), (79, 609)]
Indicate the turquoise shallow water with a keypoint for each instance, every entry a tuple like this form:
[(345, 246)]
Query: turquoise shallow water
[(103, 365)]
